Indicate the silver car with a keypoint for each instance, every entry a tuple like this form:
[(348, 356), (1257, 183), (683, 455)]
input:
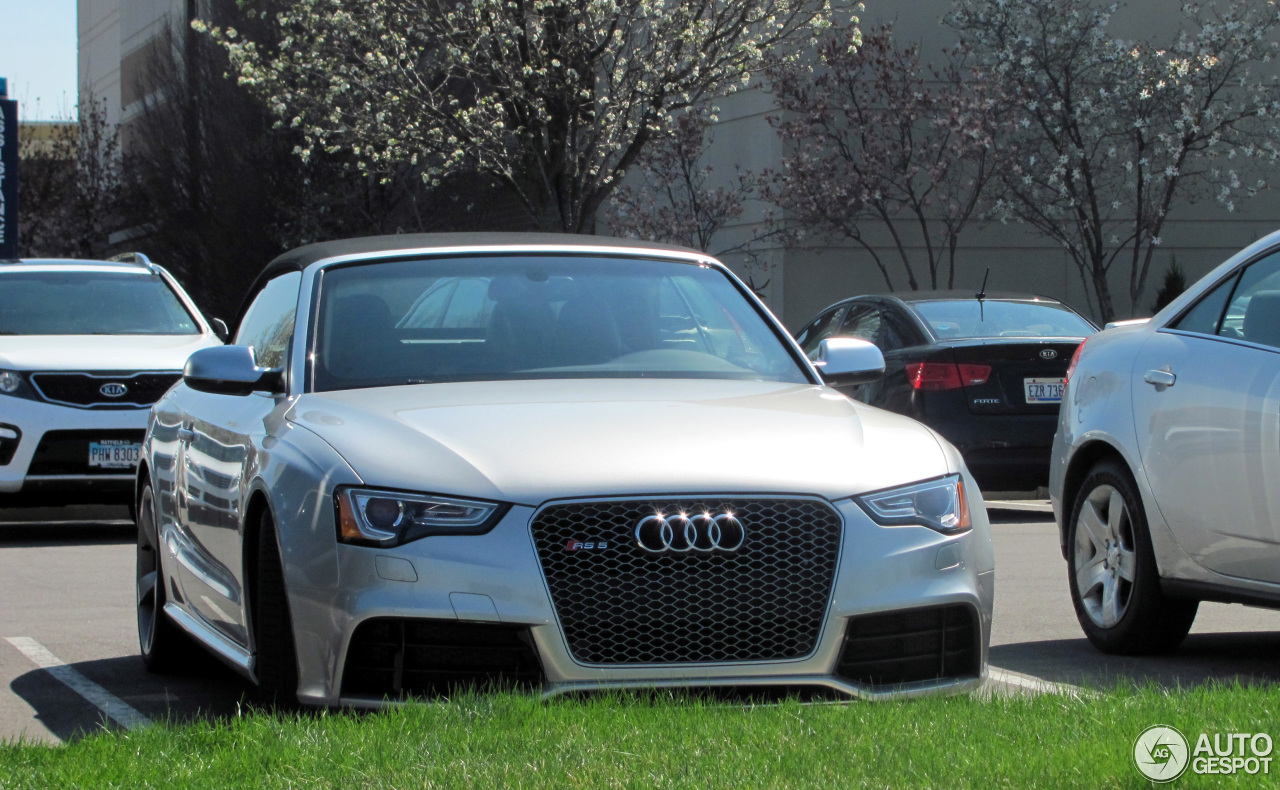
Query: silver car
[(553, 462), (1167, 456)]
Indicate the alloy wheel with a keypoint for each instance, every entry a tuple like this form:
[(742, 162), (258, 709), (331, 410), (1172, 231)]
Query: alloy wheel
[(1105, 557)]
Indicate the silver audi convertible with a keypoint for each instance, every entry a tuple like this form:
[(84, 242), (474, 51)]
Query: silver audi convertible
[(559, 463)]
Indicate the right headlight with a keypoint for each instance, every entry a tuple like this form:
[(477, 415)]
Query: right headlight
[(15, 384), (938, 504), (371, 517)]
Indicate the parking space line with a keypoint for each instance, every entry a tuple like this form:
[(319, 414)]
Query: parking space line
[(1033, 683), (117, 709)]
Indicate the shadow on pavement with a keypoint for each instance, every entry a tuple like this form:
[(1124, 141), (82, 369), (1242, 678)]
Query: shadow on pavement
[(28, 535), (1248, 657), (203, 690)]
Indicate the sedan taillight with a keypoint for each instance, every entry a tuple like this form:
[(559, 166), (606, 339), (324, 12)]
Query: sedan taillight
[(1071, 368), (946, 375)]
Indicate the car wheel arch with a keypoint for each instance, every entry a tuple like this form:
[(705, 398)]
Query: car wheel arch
[(1085, 457), (258, 504)]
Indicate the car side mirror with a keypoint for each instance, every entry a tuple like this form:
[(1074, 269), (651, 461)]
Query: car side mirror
[(230, 370), (845, 361), (220, 329)]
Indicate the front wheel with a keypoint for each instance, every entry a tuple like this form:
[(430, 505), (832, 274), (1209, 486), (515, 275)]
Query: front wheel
[(276, 660), (162, 644), (1111, 569)]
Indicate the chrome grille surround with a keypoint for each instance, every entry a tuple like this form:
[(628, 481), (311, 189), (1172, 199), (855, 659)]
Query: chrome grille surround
[(622, 605), (82, 390)]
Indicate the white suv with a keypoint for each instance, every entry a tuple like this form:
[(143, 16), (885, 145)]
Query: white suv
[(85, 348)]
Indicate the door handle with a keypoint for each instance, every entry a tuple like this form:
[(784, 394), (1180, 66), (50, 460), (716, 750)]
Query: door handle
[(186, 434), (1160, 379)]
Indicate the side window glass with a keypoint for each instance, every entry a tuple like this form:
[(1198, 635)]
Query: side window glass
[(821, 328), (863, 322), (1253, 313), (268, 323), (893, 334), (1204, 316)]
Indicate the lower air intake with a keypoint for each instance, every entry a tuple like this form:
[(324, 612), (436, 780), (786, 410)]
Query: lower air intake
[(913, 645), (398, 657)]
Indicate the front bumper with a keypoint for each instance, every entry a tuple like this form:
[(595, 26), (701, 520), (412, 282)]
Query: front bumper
[(61, 482), (498, 579)]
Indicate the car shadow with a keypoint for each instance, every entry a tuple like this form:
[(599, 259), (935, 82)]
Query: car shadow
[(204, 689), (1249, 658), (35, 534)]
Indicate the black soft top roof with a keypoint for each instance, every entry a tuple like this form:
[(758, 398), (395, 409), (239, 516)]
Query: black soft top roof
[(300, 258)]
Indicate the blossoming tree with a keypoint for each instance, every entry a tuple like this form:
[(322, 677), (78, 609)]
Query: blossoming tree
[(1106, 137), (553, 98), (878, 140)]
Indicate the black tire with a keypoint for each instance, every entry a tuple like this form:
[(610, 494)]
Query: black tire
[(1122, 608), (276, 658), (164, 647)]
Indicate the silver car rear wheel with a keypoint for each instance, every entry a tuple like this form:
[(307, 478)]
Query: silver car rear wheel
[(1105, 556), (1112, 571)]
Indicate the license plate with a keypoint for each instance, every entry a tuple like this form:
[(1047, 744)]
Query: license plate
[(114, 454), (1043, 390)]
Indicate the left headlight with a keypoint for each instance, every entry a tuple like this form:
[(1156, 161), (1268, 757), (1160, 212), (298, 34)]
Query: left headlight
[(939, 504), (369, 517)]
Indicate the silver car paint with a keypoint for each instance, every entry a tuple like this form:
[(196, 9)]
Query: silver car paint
[(456, 438), (1100, 407)]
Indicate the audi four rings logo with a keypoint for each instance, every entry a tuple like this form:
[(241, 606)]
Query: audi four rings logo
[(1048, 353), (113, 389), (682, 532)]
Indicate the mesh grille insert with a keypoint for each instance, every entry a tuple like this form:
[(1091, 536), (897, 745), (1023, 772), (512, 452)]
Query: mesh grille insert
[(396, 657), (913, 645), (621, 604)]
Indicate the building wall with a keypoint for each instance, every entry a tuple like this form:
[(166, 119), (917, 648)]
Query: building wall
[(118, 39)]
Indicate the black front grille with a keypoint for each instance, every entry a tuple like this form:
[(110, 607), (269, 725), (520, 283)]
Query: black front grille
[(67, 452), (395, 657), (85, 389), (620, 604), (912, 645)]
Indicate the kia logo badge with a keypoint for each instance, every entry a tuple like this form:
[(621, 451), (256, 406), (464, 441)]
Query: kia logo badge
[(1048, 353), (113, 389)]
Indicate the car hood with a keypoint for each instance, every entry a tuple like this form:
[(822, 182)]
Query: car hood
[(99, 352), (530, 441)]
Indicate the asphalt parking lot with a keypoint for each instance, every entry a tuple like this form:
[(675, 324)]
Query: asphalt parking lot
[(68, 647)]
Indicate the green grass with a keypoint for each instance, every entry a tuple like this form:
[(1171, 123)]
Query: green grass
[(509, 740)]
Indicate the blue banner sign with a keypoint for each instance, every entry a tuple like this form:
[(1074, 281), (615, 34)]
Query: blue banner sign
[(8, 179)]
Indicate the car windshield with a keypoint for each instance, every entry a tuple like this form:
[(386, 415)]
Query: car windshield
[(965, 318), (521, 317), (90, 303)]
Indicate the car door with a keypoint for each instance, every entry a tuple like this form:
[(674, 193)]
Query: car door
[(1206, 404), (217, 442)]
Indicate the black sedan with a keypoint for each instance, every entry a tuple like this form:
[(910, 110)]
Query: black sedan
[(986, 373)]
